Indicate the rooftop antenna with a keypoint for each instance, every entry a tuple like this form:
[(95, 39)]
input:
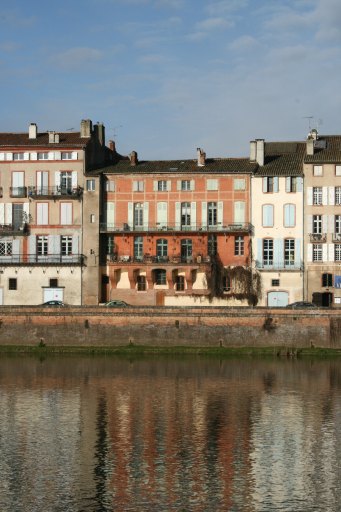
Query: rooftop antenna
[(69, 129), (114, 130), (310, 118)]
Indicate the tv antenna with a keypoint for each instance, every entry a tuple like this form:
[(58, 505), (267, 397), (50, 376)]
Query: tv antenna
[(309, 122), (114, 130)]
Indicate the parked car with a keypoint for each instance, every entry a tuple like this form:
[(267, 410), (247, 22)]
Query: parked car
[(58, 303), (116, 304), (302, 305)]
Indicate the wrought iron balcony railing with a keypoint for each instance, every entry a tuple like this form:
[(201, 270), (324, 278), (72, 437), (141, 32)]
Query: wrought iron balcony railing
[(37, 259), (74, 192), (318, 238), (279, 265), (171, 228), (14, 229), (336, 237), (148, 259)]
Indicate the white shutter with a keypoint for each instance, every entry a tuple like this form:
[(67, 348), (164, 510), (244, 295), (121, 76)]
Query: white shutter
[(309, 223), (26, 156), (2, 213), (324, 196), (16, 247), (309, 252), (161, 215), (324, 252), (51, 155), (276, 187), (34, 156), (299, 184), (204, 214), (32, 247), (309, 196), (330, 252), (192, 185), (74, 155), (193, 215), (9, 156), (220, 213), (2, 156), (331, 224), (75, 244), (169, 185), (26, 210), (42, 214), (331, 195), (74, 179), (135, 186), (66, 213), (8, 213), (178, 185), (325, 223), (53, 242), (57, 155), (57, 178), (145, 215), (239, 212), (177, 215), (265, 184), (287, 183), (130, 215), (110, 214), (155, 186)]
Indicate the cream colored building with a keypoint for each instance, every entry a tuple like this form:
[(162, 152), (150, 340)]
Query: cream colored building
[(277, 218), (48, 199), (322, 213)]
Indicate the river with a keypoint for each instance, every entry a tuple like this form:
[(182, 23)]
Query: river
[(103, 434)]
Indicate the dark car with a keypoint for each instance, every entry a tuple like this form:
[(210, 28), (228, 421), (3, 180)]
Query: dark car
[(116, 304), (302, 305), (54, 303)]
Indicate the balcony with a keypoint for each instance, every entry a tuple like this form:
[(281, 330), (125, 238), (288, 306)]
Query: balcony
[(336, 238), (148, 259), (176, 228), (18, 191), (53, 192), (45, 260), (14, 230), (279, 266), (318, 238)]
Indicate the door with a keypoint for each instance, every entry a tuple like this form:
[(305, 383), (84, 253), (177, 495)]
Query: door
[(278, 299), (53, 294), (327, 299)]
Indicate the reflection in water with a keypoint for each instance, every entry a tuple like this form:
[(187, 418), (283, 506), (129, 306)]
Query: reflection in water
[(105, 434)]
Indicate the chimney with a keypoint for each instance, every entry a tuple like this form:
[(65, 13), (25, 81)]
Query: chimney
[(133, 158), (310, 145), (32, 131), (56, 138), (253, 151), (101, 133), (112, 146), (86, 128), (201, 157), (51, 137), (260, 151)]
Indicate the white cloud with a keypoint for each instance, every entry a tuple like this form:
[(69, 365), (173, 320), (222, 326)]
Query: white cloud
[(244, 43), (225, 6), (213, 24), (77, 57)]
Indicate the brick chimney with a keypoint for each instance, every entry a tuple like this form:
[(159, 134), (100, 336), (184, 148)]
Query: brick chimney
[(32, 131), (86, 128), (101, 133), (133, 158), (112, 146), (201, 157)]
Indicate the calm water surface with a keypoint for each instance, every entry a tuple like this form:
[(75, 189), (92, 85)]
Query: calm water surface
[(107, 434)]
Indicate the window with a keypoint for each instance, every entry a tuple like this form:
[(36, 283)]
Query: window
[(42, 213), (138, 247), (138, 186), (42, 156), (161, 248), (327, 280), (317, 224), (212, 245), (186, 185), (42, 245), (337, 170), (212, 213), (337, 250), (185, 215), (66, 245), (338, 224), (162, 185), (318, 170), (138, 215), (5, 248), (18, 156), (90, 185), (160, 276), (109, 186), (268, 251), (317, 195), (110, 244), (186, 250), (66, 155), (212, 184), (239, 184), (141, 283), (289, 252), (270, 184), (12, 283), (317, 252), (338, 196), (268, 215), (180, 283), (239, 246), (66, 182), (289, 215), (18, 215), (291, 184), (275, 282), (18, 189), (53, 282)]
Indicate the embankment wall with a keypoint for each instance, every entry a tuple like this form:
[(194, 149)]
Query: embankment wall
[(170, 326)]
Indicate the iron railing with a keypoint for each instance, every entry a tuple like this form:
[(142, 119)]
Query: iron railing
[(171, 228), (37, 259), (57, 191), (18, 191), (147, 259), (318, 237), (279, 265), (14, 230)]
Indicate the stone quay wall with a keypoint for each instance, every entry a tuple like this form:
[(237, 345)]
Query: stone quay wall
[(170, 326)]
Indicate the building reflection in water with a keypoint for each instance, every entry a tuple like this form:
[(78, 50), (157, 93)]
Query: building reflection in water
[(107, 434)]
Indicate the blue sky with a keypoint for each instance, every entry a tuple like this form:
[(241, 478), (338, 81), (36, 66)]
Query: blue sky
[(168, 76)]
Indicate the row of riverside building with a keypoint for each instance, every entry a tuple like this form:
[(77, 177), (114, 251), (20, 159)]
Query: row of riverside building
[(81, 223)]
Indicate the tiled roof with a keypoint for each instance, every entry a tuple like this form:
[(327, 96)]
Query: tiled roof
[(213, 165), (282, 159), (327, 149), (69, 139)]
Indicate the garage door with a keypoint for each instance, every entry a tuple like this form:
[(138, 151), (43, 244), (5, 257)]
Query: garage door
[(53, 294), (278, 299)]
